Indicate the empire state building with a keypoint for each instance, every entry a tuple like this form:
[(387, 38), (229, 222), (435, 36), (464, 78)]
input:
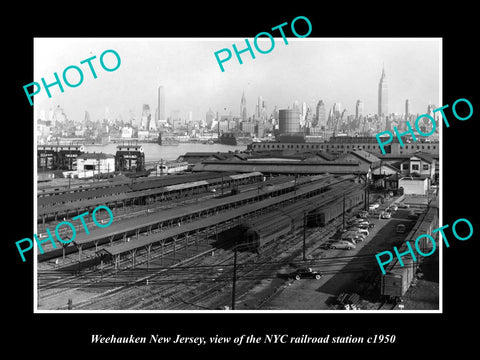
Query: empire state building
[(383, 95), (243, 108)]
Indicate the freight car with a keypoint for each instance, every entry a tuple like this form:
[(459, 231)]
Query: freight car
[(259, 232), (397, 279)]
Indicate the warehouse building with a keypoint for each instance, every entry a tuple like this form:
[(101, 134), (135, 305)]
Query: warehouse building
[(344, 144), (91, 164), (414, 185)]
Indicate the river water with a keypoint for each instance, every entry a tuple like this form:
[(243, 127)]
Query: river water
[(155, 152)]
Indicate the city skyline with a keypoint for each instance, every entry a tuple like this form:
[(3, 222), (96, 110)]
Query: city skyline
[(331, 70)]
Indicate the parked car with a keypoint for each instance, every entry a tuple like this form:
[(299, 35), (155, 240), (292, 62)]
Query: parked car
[(385, 215), (363, 214), (413, 215), (353, 238), (401, 228), (342, 244), (373, 206), (393, 207), (305, 273), (327, 245), (403, 206), (360, 223), (359, 220), (363, 226), (360, 230), (349, 232), (353, 232), (350, 240)]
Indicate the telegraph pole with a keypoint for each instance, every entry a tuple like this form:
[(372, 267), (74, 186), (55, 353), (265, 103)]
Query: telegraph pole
[(234, 276), (343, 215), (304, 233)]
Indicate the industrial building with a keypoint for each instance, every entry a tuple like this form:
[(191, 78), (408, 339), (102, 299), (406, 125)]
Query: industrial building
[(91, 164), (414, 185), (130, 157), (64, 157), (289, 121), (344, 144)]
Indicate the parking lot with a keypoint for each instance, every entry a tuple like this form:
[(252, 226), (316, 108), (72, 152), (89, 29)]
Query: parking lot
[(349, 271)]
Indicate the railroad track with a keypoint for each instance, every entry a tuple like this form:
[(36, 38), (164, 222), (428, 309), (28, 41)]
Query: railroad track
[(152, 295), (49, 257), (108, 277), (208, 293), (386, 306), (186, 296), (263, 266)]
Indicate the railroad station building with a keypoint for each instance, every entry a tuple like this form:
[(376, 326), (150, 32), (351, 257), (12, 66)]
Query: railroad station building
[(393, 167), (417, 164)]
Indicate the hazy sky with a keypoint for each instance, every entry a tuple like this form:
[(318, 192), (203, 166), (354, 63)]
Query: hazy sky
[(309, 69)]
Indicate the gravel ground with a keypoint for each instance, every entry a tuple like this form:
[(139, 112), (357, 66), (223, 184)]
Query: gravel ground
[(424, 292)]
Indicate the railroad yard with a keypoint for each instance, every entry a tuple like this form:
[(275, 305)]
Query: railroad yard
[(210, 241)]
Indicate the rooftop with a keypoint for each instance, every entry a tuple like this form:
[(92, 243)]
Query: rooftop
[(414, 178), (96, 156)]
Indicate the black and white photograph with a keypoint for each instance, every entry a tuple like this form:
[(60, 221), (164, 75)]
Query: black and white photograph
[(200, 179), (173, 185)]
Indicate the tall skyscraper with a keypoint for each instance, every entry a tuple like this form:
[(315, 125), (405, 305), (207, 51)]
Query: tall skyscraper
[(263, 114), (407, 109), (57, 115), (161, 105), (303, 111), (209, 117), (296, 106), (243, 108), (274, 114), (320, 120), (337, 109), (358, 109), (146, 116), (383, 95), (258, 112), (261, 109)]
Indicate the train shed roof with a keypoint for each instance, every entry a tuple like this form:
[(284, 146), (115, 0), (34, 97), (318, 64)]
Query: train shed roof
[(231, 214), (132, 224)]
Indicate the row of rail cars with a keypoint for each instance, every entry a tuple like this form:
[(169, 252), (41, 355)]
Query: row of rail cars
[(397, 279), (315, 211)]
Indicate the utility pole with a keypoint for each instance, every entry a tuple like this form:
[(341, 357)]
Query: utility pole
[(222, 184), (304, 233), (234, 276), (366, 195), (343, 215)]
